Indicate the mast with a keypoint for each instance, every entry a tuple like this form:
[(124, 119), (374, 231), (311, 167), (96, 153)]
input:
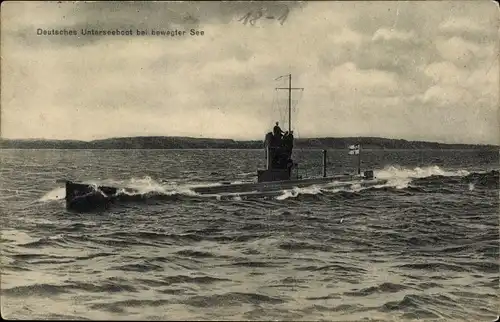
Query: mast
[(359, 158), (289, 88), (289, 103)]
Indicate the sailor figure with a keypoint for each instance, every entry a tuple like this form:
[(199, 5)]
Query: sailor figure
[(277, 130)]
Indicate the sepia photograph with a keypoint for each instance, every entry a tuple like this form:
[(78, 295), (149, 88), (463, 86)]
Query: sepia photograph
[(250, 160)]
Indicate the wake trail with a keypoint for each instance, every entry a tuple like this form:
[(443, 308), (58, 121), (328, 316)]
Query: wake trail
[(397, 177)]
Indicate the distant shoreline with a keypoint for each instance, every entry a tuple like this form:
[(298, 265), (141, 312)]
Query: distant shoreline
[(168, 142)]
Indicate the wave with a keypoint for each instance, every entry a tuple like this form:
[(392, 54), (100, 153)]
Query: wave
[(195, 253), (345, 269), (487, 179), (299, 246), (233, 298), (395, 171), (397, 177), (405, 180), (401, 177), (55, 194), (120, 306), (413, 306), (435, 266), (56, 240), (134, 187), (386, 287), (139, 267), (45, 290)]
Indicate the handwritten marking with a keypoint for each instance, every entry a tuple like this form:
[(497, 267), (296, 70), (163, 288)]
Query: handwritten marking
[(252, 16)]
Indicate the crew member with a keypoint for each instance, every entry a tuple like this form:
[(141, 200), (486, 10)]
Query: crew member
[(277, 130)]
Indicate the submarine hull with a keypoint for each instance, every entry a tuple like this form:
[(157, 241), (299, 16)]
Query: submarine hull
[(85, 197)]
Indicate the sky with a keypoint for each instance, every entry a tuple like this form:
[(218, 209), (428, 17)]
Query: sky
[(405, 70)]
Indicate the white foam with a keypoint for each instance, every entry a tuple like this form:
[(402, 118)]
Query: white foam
[(356, 187), (396, 176), (138, 185), (147, 185), (294, 192), (400, 177), (55, 194), (418, 172), (287, 194)]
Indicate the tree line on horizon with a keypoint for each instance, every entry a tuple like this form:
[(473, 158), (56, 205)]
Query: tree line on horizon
[(157, 142)]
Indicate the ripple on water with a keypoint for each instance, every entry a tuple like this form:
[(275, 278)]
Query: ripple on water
[(318, 255), (121, 306), (382, 288), (231, 299)]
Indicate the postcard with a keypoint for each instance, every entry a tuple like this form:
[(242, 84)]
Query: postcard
[(253, 160)]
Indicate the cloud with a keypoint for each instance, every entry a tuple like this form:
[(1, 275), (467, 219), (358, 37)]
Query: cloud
[(347, 79), (397, 69), (480, 31), (442, 95), (460, 51), (385, 34), (444, 72)]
